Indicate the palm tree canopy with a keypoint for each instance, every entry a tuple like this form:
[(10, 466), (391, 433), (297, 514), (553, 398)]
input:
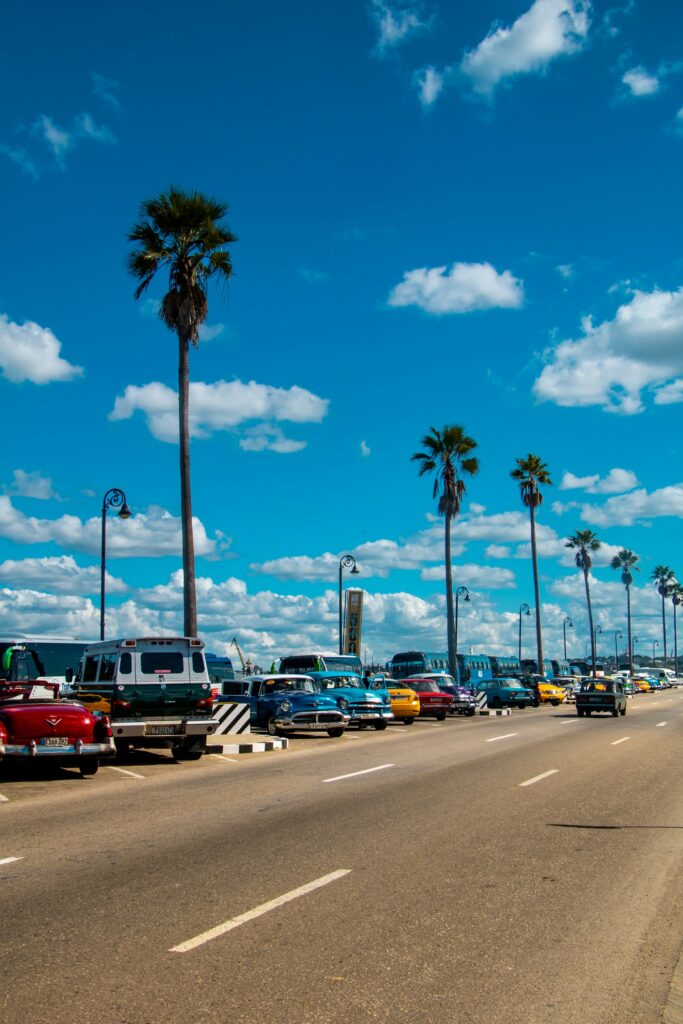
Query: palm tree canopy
[(677, 593), (663, 577), (447, 454), (531, 473), (583, 541), (626, 561), (181, 231)]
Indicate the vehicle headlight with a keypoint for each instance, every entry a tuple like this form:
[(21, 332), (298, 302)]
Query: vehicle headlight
[(286, 706), (343, 703)]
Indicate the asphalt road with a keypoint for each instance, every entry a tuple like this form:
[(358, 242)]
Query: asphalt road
[(515, 869)]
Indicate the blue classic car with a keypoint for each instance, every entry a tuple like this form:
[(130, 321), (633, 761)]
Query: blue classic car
[(288, 703), (366, 707)]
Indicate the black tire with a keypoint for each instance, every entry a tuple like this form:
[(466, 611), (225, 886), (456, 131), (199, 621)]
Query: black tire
[(88, 767), (555, 703), (579, 712), (381, 725), (272, 727), (496, 703), (587, 713), (440, 716), (622, 711), (335, 733), (535, 703), (122, 748), (615, 713), (408, 721), (522, 705), (189, 750), (471, 712)]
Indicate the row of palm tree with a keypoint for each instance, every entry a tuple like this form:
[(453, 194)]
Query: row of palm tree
[(448, 454)]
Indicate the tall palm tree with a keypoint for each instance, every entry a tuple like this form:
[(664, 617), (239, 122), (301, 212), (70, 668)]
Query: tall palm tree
[(676, 600), (447, 454), (626, 561), (584, 542), (663, 578), (181, 232), (531, 473)]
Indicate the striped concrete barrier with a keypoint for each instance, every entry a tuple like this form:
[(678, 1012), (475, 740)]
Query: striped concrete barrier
[(232, 726), (482, 702), (232, 719)]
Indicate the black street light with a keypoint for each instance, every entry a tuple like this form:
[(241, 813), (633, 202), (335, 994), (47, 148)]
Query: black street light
[(617, 636), (598, 629), (114, 498), (655, 643), (523, 610), (464, 593), (345, 562), (567, 622)]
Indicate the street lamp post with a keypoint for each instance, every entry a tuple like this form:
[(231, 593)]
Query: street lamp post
[(345, 562), (655, 643), (523, 610), (567, 622), (114, 498), (598, 629), (617, 636), (465, 594)]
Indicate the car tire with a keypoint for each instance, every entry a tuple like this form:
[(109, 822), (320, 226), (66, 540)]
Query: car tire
[(471, 713), (122, 748), (623, 711), (408, 721), (335, 733), (587, 713), (496, 703), (88, 768), (189, 750), (555, 703), (579, 712), (272, 726), (615, 713), (380, 726), (522, 705), (440, 716)]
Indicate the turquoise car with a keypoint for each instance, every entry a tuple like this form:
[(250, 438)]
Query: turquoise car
[(505, 693), (365, 707)]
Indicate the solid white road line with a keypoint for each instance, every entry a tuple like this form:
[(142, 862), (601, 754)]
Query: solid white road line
[(507, 736), (10, 860), (537, 778), (366, 771), (124, 771), (222, 757), (660, 724), (615, 743), (250, 915)]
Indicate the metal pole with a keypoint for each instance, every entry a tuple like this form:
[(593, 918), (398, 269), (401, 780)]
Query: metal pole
[(345, 562), (340, 607), (103, 568)]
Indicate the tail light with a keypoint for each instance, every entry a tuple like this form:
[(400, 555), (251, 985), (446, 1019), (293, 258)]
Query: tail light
[(205, 704), (103, 727), (121, 705)]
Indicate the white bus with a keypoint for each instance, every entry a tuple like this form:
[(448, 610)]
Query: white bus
[(44, 657)]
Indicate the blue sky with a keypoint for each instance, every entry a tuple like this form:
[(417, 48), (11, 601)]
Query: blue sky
[(444, 215)]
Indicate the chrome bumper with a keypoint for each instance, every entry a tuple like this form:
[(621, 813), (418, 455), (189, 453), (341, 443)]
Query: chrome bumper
[(180, 727), (323, 720), (77, 749)]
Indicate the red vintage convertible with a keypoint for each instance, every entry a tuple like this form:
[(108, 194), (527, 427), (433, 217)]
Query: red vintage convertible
[(433, 701), (37, 725)]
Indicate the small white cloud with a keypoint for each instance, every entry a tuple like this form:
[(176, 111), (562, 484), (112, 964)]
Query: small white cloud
[(565, 270), (549, 29), (87, 129), (29, 352), (429, 83), (486, 577), (364, 450), (462, 289), (207, 332), (396, 23), (21, 158), (61, 141), (106, 89), (617, 481), (639, 82), (32, 485), (265, 438)]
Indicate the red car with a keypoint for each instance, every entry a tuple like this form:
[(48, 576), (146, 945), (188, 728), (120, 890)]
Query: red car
[(35, 724), (434, 703)]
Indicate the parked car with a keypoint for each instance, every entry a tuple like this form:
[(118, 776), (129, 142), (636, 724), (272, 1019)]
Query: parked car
[(501, 693), (364, 706), (434, 703), (405, 703), (464, 699), (285, 703), (36, 725)]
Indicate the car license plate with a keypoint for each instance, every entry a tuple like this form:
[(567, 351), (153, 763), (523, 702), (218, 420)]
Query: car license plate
[(366, 716), (160, 730), (55, 741)]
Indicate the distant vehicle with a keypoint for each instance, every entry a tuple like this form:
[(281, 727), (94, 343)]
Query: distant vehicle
[(35, 725), (46, 657), (529, 665), (156, 691), (504, 667), (611, 698), (464, 699), (285, 703), (220, 670), (433, 702), (666, 675), (364, 706), (560, 668), (321, 661), (413, 663)]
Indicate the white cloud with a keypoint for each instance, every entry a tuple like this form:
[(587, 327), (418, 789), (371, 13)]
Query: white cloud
[(265, 438), (19, 156), (462, 289), (565, 270), (549, 29), (29, 352), (636, 506), (365, 450), (486, 577), (32, 485), (396, 23), (106, 90), (61, 575), (150, 534), (61, 141), (224, 405), (617, 481), (639, 82), (613, 362), (207, 332), (429, 83)]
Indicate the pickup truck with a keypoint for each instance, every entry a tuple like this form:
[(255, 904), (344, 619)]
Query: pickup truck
[(609, 697), (155, 690)]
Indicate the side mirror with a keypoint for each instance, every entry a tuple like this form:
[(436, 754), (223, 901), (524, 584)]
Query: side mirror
[(69, 675)]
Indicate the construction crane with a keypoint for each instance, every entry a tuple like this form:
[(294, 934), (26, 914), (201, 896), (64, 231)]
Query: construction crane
[(247, 666)]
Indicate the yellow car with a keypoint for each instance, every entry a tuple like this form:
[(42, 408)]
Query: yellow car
[(550, 693), (641, 683), (405, 703)]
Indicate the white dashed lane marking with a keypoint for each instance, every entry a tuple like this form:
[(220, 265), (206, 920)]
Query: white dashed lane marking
[(537, 778), (222, 757), (124, 771), (659, 725), (9, 860), (615, 743), (366, 771), (250, 915), (507, 736), (4, 799)]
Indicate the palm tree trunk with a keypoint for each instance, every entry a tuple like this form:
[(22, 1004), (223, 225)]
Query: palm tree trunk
[(590, 618), (664, 628), (189, 595), (628, 624), (450, 629), (675, 642), (537, 597)]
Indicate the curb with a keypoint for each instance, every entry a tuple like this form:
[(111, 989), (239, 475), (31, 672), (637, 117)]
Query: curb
[(497, 711), (256, 747)]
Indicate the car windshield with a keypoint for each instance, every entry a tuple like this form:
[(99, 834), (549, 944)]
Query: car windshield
[(287, 685), (334, 682), (423, 685)]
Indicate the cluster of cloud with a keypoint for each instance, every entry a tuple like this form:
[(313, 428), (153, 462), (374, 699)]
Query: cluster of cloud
[(59, 575), (396, 23), (32, 485), (617, 481), (638, 506), (612, 363), (29, 352), (224, 405), (463, 288), (639, 82)]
